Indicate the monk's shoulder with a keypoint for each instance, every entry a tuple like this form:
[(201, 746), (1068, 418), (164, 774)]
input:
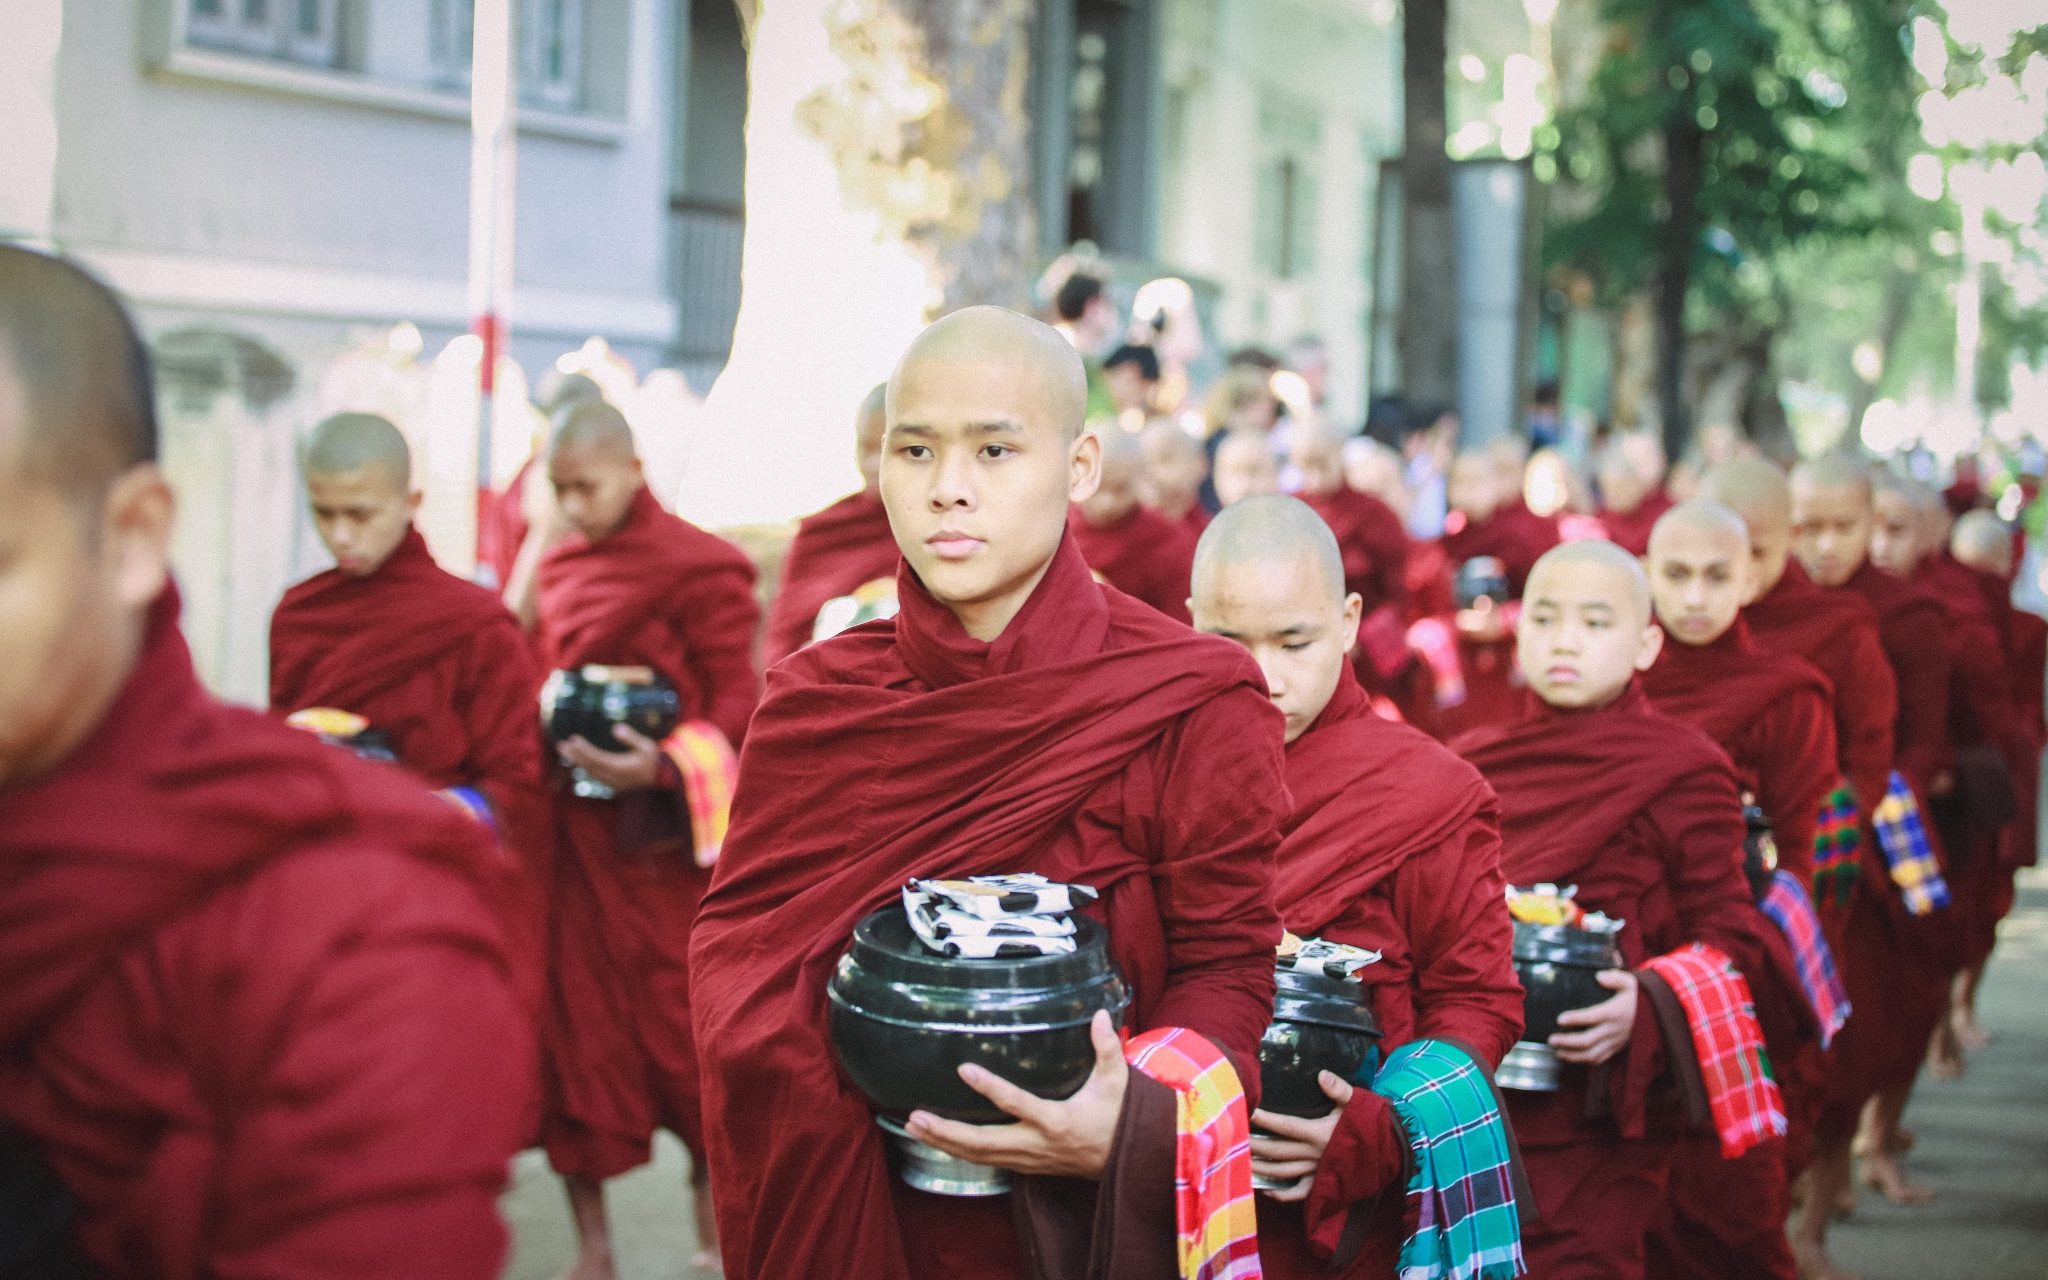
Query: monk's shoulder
[(1135, 624), (694, 548)]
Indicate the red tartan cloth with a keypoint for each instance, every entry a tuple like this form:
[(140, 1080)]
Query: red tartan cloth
[(1743, 1098)]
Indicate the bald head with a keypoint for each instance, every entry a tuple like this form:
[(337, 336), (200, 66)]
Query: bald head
[(1317, 451), (1909, 522), (595, 472), (354, 441), (1125, 484), (1833, 518), (1757, 491), (77, 368), (592, 425), (1245, 467), (1699, 570), (1591, 560), (1175, 464), (1832, 471), (997, 335), (1702, 517), (1586, 625), (870, 424), (1271, 529), (1983, 542)]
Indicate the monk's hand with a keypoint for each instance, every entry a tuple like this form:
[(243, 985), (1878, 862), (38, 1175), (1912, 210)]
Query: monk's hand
[(1297, 1149), (637, 768), (1062, 1139), (1607, 1025)]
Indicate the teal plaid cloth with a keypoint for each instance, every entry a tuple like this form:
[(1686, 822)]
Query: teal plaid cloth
[(1463, 1194), (1902, 834)]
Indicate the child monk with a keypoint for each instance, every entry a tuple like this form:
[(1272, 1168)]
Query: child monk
[(1016, 716), (624, 583), (1392, 846), (1245, 467), (1134, 548), (1641, 813), (1771, 713), (1897, 959), (1489, 517), (1371, 536), (838, 550), (436, 664), (258, 1014), (1177, 466), (1632, 497)]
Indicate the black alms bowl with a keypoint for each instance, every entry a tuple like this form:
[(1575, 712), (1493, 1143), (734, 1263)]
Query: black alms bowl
[(587, 701), (1556, 964), (1319, 1023), (903, 1019)]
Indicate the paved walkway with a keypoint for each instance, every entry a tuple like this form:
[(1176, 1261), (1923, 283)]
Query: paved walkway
[(1983, 1149)]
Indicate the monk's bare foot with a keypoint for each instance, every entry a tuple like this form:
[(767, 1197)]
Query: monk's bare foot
[(1902, 1140), (706, 1259), (1945, 1053), (591, 1266), (1884, 1175), (1815, 1264), (1969, 1032)]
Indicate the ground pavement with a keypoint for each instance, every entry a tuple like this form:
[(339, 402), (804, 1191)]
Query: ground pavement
[(1983, 1148)]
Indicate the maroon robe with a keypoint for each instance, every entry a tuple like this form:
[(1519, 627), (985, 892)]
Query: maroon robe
[(258, 1012), (661, 593), (1094, 742), (1514, 535), (501, 525), (1394, 846), (1144, 555), (835, 551), (1630, 530), (1373, 542), (1640, 812)]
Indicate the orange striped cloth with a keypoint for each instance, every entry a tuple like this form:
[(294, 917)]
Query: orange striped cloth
[(1213, 1209), (710, 772)]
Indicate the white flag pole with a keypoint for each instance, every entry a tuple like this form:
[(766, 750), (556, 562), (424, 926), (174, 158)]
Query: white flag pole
[(493, 152)]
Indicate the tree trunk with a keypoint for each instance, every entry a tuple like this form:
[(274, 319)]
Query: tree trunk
[(1684, 148), (1429, 248)]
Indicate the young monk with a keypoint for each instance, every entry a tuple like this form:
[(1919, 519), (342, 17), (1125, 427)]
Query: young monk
[(1015, 716), (1771, 714), (435, 663), (258, 1015), (1641, 812), (1632, 496), (1489, 518), (1177, 466), (838, 550), (1898, 964), (1371, 536), (1392, 846), (1245, 466), (624, 583), (1134, 548)]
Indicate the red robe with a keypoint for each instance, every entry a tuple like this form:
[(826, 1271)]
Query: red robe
[(1196, 518), (661, 593), (1393, 845), (1374, 544), (501, 525), (1630, 530), (258, 1012), (1143, 555), (1514, 535), (1095, 742), (835, 551), (1641, 813)]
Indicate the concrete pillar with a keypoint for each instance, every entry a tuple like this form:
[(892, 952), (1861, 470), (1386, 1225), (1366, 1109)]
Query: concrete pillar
[(28, 117)]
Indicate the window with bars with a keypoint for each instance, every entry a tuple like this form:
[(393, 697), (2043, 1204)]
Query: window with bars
[(302, 31), (550, 49)]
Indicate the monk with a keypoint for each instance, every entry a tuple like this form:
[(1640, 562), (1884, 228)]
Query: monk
[(436, 664), (1489, 518), (505, 517), (624, 583), (1132, 547), (1177, 466), (1371, 536), (1771, 713), (258, 1017), (1905, 960), (1016, 716), (1393, 846), (1632, 496), (838, 550), (1245, 466), (1641, 812)]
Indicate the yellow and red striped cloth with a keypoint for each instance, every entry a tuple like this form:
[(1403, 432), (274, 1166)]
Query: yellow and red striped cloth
[(1214, 1214), (710, 773)]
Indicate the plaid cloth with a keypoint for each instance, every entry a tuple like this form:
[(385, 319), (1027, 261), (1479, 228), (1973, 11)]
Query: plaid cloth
[(1786, 903), (1835, 840), (710, 772), (1741, 1094), (1438, 645), (471, 802), (1903, 836), (1214, 1215), (1462, 1196)]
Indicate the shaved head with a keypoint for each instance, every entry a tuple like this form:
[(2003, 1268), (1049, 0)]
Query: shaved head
[(1701, 515), (1699, 569), (1833, 471), (1756, 490), (1125, 484), (1176, 466), (1267, 529), (352, 441), (596, 474), (1833, 517), (874, 403), (1244, 467), (87, 410), (1586, 626), (1317, 451), (1984, 542), (594, 425), (870, 423), (1631, 586), (982, 335)]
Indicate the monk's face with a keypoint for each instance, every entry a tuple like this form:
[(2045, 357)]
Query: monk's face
[(1897, 534), (1176, 470), (867, 451), (76, 575), (1831, 526), (1582, 635), (977, 474), (1122, 489), (595, 485), (1244, 469), (1473, 488), (1699, 579), (1321, 463), (362, 516), (1282, 610)]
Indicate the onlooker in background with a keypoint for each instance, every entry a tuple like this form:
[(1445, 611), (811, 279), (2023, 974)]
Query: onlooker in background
[(1428, 439), (1545, 419), (1132, 373), (1308, 357), (1241, 403), (1089, 320)]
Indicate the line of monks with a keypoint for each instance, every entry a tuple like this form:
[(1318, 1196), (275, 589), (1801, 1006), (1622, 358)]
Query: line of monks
[(270, 1010)]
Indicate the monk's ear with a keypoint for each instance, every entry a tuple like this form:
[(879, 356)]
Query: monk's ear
[(413, 500), (135, 534), (1354, 613), (1084, 467), (1653, 644)]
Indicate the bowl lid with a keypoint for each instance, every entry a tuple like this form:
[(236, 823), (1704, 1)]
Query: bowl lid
[(884, 945), (1563, 944), (1315, 997)]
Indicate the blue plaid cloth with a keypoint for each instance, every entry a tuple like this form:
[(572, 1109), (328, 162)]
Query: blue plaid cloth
[(1902, 834), (1462, 1196)]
